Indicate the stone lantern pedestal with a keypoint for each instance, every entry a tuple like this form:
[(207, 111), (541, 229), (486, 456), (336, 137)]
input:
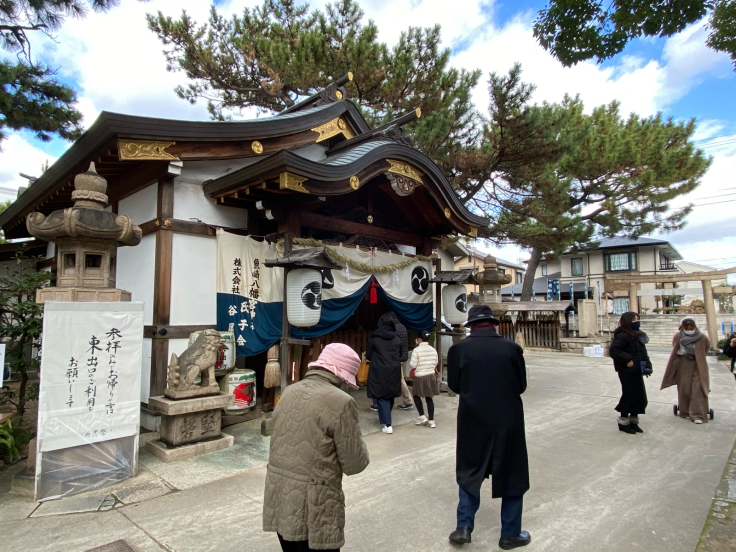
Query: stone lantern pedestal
[(490, 282)]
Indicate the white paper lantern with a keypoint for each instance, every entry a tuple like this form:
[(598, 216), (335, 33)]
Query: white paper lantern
[(304, 297), (455, 303)]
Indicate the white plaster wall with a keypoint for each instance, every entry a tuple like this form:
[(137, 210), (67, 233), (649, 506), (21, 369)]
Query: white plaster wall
[(193, 280), (596, 262), (141, 206), (50, 250), (178, 346), (552, 267), (190, 203), (647, 259), (447, 261), (135, 273), (146, 370)]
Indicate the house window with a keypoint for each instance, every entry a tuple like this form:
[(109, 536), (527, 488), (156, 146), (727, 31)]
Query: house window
[(502, 270), (577, 266), (665, 263), (544, 270), (519, 277), (620, 305), (621, 262)]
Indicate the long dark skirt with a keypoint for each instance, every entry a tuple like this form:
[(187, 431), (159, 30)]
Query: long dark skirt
[(633, 394)]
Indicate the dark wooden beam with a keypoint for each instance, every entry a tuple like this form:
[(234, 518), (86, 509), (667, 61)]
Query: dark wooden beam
[(140, 176), (174, 332), (322, 222), (162, 286), (177, 226)]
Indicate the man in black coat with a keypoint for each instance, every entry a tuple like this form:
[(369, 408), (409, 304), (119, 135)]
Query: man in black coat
[(489, 374), (407, 401)]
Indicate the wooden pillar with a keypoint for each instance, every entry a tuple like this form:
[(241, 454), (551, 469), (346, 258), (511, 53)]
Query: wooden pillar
[(162, 286), (710, 315), (633, 299)]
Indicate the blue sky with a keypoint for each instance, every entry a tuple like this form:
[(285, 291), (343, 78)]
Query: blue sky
[(116, 64)]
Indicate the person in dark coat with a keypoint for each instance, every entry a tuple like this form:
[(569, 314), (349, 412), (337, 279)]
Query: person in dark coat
[(407, 402), (489, 374), (630, 359), (384, 376), (729, 349)]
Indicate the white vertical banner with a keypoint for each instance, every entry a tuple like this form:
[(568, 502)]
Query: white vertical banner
[(90, 373)]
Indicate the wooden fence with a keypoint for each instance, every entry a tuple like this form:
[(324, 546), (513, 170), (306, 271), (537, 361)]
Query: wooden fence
[(542, 334)]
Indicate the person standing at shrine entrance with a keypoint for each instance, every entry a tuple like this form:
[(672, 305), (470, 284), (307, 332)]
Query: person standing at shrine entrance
[(488, 372)]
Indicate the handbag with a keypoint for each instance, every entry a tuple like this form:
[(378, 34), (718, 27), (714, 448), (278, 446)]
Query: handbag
[(645, 370), (362, 376)]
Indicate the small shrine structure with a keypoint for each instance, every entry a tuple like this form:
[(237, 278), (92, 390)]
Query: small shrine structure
[(314, 175)]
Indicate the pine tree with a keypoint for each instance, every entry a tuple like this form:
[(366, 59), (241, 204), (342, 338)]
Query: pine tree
[(616, 177), (577, 30), (31, 98)]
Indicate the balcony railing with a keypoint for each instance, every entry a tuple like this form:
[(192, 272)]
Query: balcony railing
[(667, 266)]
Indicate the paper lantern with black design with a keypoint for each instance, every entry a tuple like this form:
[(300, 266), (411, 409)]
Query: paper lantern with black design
[(304, 297), (455, 303)]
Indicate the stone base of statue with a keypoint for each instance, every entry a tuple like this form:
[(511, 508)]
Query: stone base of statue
[(74, 294), (190, 427), (192, 392)]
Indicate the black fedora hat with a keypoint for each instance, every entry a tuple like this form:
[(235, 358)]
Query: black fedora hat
[(481, 312)]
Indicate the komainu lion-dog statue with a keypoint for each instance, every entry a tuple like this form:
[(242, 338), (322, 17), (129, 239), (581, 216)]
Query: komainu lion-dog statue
[(199, 359)]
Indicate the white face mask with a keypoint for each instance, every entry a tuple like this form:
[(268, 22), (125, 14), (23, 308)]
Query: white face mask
[(689, 332)]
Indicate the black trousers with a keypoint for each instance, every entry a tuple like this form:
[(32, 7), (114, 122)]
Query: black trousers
[(420, 408), (299, 546)]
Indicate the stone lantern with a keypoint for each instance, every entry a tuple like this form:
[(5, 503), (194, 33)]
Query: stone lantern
[(87, 238), (490, 282)]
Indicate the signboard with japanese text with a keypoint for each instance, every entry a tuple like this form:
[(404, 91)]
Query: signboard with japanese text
[(90, 373)]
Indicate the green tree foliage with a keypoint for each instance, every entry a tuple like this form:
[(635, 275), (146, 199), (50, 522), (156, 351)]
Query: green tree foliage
[(275, 54), (614, 176), (30, 96), (576, 30), (21, 324)]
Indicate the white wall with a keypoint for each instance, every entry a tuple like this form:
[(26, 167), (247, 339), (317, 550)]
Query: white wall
[(313, 152), (146, 370), (141, 206), (190, 202), (135, 273), (193, 280)]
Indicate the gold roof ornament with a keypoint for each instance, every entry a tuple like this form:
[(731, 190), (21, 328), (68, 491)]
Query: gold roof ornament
[(257, 147), (448, 213), (333, 128), (354, 182), (144, 150), (404, 169), (291, 181)]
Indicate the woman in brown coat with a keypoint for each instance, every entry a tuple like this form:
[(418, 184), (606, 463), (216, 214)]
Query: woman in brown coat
[(316, 440), (688, 369)]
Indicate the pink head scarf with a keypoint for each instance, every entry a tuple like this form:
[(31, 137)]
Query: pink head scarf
[(341, 360)]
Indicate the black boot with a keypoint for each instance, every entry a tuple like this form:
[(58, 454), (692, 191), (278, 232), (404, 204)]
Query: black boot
[(461, 535), (507, 543), (625, 426), (634, 424)]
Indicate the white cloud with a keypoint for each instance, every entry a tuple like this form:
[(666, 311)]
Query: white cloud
[(19, 156)]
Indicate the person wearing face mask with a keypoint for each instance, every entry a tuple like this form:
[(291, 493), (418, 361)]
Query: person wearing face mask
[(688, 369), (631, 361), (424, 363), (729, 349)]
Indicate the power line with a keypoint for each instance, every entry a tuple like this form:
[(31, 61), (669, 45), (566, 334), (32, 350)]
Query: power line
[(713, 197), (715, 203), (718, 144), (714, 138)]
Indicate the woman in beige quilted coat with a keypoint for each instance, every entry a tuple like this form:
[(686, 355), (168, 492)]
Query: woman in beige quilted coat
[(316, 439)]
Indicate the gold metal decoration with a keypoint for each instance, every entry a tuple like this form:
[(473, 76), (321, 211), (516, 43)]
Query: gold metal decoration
[(143, 150), (370, 219), (290, 181), (448, 214), (333, 128), (257, 147), (473, 233), (404, 169), (354, 182), (338, 94)]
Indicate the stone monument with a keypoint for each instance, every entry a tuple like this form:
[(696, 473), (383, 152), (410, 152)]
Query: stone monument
[(191, 414), (87, 238)]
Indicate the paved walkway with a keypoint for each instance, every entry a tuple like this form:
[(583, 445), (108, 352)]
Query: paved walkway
[(593, 487)]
